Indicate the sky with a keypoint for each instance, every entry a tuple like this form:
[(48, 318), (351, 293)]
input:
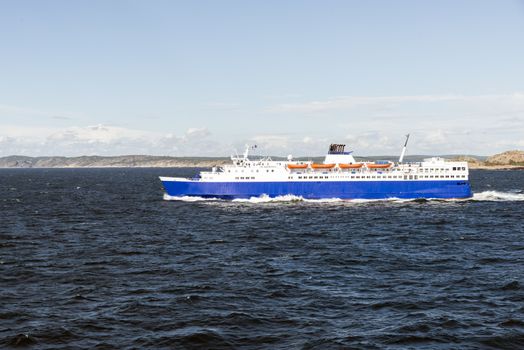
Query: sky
[(204, 78)]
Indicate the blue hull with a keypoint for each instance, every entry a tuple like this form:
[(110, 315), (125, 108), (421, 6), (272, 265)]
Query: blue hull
[(324, 189)]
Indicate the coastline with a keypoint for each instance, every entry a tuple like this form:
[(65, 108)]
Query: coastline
[(510, 160)]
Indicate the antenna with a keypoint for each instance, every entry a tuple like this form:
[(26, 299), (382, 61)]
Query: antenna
[(246, 152), (404, 149)]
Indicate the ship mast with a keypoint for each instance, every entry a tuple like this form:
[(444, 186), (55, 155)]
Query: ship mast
[(404, 149)]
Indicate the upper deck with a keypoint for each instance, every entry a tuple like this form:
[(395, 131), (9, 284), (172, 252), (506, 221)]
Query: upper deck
[(338, 165)]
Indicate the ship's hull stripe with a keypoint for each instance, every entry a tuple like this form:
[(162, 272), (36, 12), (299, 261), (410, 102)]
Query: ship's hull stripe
[(324, 189)]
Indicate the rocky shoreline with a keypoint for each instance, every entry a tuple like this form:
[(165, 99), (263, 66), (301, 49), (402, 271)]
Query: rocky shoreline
[(510, 160)]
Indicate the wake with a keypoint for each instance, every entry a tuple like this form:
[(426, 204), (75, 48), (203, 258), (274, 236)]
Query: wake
[(496, 196), (485, 196)]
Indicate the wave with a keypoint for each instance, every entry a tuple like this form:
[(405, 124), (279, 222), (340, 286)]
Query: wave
[(188, 198), (267, 199), (292, 198), (486, 196), (496, 196)]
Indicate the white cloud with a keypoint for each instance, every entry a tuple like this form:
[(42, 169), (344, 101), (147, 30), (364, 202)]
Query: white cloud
[(97, 133), (448, 123), (439, 124), (103, 140), (197, 132)]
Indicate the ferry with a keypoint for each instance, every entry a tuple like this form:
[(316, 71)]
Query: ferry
[(338, 176)]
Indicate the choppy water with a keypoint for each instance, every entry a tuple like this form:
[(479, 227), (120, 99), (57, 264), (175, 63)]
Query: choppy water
[(97, 259)]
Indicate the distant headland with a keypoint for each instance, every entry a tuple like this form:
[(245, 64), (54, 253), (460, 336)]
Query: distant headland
[(506, 160)]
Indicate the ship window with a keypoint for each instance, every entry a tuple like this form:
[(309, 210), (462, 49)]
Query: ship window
[(272, 170), (463, 168), (454, 168)]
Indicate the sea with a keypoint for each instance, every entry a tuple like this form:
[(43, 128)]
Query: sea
[(99, 259)]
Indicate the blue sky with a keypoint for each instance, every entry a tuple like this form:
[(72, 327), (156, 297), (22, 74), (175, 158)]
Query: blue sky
[(206, 77)]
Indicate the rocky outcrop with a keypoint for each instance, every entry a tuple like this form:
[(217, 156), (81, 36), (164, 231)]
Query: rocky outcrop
[(507, 158)]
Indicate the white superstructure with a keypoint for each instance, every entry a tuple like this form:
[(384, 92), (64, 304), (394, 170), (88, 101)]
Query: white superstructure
[(338, 165)]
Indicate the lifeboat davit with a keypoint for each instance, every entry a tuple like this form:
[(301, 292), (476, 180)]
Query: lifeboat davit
[(297, 166), (322, 166), (350, 166), (378, 166)]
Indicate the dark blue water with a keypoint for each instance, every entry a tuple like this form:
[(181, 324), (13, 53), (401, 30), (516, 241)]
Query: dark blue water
[(96, 259)]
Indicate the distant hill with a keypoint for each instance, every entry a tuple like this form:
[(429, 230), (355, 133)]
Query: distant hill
[(505, 160), (103, 162), (508, 159)]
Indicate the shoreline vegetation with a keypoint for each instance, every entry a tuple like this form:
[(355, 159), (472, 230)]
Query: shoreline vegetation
[(505, 160)]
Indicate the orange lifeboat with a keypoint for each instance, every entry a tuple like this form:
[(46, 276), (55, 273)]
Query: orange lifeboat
[(322, 166), (297, 166), (378, 166), (350, 166)]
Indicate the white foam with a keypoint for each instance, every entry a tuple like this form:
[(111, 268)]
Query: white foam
[(292, 198), (266, 199), (325, 200), (187, 198), (496, 196)]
